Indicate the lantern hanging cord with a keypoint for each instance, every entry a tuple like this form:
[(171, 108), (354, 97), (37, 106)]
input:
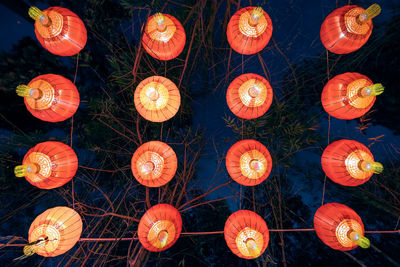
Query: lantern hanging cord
[(111, 239)]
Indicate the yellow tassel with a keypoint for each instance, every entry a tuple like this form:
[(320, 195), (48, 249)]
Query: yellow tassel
[(23, 90), (253, 249), (255, 16), (360, 240), (370, 13), (35, 13)]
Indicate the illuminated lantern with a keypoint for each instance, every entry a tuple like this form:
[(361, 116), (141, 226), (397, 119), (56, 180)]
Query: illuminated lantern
[(249, 96), (154, 164), (246, 234), (160, 227), (164, 37), (157, 99), (50, 97), (54, 232), (249, 30), (48, 165), (59, 30), (339, 227), (348, 28), (349, 163), (349, 95), (248, 162)]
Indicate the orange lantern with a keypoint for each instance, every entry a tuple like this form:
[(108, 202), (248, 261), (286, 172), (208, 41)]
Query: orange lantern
[(50, 97), (157, 99), (246, 234), (160, 227), (164, 37), (349, 163), (249, 96), (349, 95), (348, 28), (48, 165), (248, 162), (339, 227), (249, 30), (54, 232), (59, 30), (154, 164)]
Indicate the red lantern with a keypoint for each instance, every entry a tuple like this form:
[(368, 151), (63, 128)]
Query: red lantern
[(339, 227), (246, 234), (157, 99), (249, 96), (249, 30), (48, 165), (248, 162), (349, 163), (50, 97), (154, 164), (348, 28), (59, 30), (164, 37), (349, 95), (160, 227), (54, 232)]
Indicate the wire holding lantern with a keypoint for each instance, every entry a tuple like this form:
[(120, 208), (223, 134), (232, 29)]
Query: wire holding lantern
[(50, 97), (349, 95), (249, 30), (246, 234), (59, 30), (349, 163), (340, 227), (248, 162), (157, 99), (348, 28), (160, 227), (48, 165), (164, 37), (154, 164), (249, 96)]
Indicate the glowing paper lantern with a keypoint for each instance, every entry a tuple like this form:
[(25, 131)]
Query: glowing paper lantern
[(164, 37), (54, 232), (348, 28), (160, 227), (246, 234), (249, 30), (249, 96), (59, 30), (248, 162), (50, 97), (154, 164), (349, 163), (48, 165), (349, 95), (339, 227), (157, 99)]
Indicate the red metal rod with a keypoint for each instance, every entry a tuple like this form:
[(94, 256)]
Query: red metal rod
[(203, 233), (292, 230), (197, 233), (107, 239), (382, 232)]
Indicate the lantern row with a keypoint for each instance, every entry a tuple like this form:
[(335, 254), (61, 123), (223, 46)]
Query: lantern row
[(347, 96), (54, 98), (58, 229)]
